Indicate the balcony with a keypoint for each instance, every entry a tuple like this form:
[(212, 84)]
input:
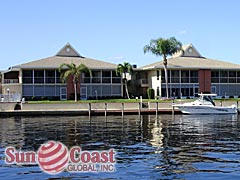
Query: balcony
[(11, 81), (104, 80)]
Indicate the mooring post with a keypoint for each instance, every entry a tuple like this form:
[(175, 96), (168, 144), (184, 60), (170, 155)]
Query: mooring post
[(122, 110), (173, 107), (237, 106), (156, 108), (89, 113), (139, 108), (89, 109), (105, 108)]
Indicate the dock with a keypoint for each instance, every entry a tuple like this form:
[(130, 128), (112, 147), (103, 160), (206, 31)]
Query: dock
[(89, 109)]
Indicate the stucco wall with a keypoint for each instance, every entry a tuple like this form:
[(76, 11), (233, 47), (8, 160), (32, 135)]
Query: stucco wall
[(13, 88)]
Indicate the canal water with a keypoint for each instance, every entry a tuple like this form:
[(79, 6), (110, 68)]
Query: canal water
[(148, 147)]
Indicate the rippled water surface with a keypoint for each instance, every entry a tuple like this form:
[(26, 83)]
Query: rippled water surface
[(148, 147)]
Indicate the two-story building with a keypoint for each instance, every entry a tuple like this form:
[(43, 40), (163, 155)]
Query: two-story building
[(189, 73), (41, 79)]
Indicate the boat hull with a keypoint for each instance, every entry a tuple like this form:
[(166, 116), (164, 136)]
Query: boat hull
[(207, 109)]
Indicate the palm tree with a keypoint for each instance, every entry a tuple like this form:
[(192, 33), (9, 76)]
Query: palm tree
[(164, 47), (68, 70), (123, 69)]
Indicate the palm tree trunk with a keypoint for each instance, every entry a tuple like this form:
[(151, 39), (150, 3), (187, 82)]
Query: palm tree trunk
[(126, 88), (75, 88), (75, 91), (166, 75)]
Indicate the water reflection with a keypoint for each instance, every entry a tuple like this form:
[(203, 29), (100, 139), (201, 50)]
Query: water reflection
[(148, 147)]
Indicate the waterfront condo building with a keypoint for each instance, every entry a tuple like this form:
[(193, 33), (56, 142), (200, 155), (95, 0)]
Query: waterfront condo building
[(189, 73), (40, 79)]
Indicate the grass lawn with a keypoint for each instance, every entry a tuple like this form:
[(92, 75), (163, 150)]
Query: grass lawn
[(120, 101), (97, 101)]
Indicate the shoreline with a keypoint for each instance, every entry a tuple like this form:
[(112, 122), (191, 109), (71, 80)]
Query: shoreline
[(85, 112), (89, 109)]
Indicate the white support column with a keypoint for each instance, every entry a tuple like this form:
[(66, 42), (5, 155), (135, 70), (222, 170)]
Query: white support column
[(111, 82), (19, 77), (180, 83), (44, 82), (33, 82), (160, 83), (44, 76)]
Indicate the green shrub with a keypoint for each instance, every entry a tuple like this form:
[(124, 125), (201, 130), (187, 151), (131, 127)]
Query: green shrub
[(150, 93)]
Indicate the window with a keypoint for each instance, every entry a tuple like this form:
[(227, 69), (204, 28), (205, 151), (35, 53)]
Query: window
[(157, 75), (38, 76), (223, 76), (193, 76), (163, 76), (27, 76), (50, 76), (58, 79), (232, 76), (115, 77), (85, 77), (185, 76), (106, 73), (175, 76), (232, 73), (27, 73), (96, 77), (106, 76), (215, 76), (238, 76)]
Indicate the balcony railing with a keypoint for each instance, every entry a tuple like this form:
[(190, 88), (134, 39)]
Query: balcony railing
[(11, 81), (116, 80), (16, 97), (101, 80)]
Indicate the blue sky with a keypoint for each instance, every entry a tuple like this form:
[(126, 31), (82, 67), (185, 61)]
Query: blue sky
[(116, 31)]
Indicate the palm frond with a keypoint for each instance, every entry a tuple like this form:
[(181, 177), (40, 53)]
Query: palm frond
[(163, 47)]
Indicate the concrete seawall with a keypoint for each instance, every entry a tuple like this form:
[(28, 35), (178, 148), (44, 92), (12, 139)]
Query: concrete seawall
[(28, 109), (94, 106), (7, 106), (98, 108)]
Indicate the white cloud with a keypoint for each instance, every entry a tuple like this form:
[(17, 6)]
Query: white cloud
[(182, 32), (115, 58)]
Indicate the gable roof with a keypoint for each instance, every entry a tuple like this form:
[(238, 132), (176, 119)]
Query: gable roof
[(188, 51), (68, 51), (66, 55)]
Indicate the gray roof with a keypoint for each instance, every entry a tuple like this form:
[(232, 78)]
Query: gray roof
[(55, 61), (193, 63), (190, 58), (66, 55)]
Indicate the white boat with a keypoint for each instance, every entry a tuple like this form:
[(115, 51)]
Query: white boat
[(205, 105)]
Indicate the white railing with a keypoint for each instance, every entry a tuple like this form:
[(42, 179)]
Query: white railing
[(10, 81), (16, 97)]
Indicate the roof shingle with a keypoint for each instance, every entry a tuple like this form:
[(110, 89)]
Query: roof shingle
[(55, 61), (194, 63)]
